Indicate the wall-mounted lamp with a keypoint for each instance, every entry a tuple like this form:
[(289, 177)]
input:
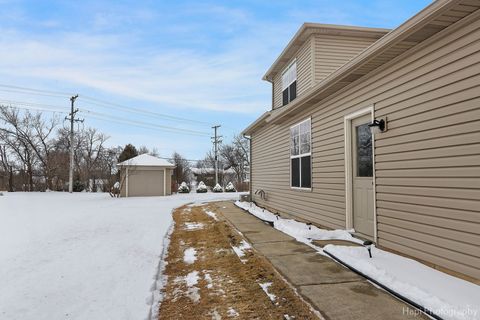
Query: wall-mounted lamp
[(378, 125)]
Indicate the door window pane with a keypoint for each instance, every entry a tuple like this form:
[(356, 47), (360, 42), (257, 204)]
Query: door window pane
[(364, 151), (295, 172)]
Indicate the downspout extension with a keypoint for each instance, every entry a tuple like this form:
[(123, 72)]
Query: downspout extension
[(394, 293)]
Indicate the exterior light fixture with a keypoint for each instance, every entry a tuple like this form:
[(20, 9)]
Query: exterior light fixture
[(378, 126), (368, 244)]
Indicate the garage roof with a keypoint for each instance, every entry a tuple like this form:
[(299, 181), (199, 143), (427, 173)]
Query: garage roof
[(146, 160)]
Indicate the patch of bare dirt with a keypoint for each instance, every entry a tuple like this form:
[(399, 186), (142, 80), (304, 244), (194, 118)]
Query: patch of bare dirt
[(206, 279)]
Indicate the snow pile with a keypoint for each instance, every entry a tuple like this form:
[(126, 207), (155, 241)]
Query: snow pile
[(217, 188), (301, 231), (240, 250), (232, 312), (230, 187), (211, 214), (202, 188), (193, 226), (190, 255), (190, 280), (183, 188), (209, 280), (215, 315), (265, 287), (445, 295)]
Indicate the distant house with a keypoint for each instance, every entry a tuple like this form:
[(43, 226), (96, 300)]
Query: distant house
[(411, 186), (145, 175)]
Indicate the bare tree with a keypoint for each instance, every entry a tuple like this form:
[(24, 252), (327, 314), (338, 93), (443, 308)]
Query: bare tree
[(7, 165), (93, 152), (17, 134), (182, 171)]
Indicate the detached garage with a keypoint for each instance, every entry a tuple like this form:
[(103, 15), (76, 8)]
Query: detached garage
[(144, 176)]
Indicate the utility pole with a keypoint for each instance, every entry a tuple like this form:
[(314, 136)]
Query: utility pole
[(216, 139), (72, 120)]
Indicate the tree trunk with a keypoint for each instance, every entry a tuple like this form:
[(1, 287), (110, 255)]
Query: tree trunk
[(10, 179), (30, 177)]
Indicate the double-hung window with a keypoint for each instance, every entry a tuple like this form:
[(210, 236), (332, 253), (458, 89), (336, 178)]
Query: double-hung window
[(300, 155), (289, 83)]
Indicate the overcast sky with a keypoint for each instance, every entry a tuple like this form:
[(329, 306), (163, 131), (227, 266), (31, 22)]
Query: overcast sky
[(198, 60)]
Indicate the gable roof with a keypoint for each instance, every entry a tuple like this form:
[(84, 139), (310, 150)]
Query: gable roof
[(425, 24), (146, 160), (308, 29)]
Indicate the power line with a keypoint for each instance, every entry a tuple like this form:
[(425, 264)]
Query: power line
[(143, 123), (59, 93), (35, 108), (104, 117), (137, 125), (99, 102), (102, 103), (60, 109)]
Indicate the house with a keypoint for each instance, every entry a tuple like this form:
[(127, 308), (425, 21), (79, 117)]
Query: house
[(379, 131), (145, 175)]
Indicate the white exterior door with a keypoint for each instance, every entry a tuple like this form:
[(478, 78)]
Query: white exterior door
[(362, 177)]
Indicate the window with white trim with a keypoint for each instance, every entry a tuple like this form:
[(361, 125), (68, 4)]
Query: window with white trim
[(300, 155), (289, 83)]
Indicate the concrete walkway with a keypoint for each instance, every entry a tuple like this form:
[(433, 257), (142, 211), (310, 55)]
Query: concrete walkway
[(335, 291)]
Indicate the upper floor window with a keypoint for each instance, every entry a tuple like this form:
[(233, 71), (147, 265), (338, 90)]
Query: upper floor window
[(300, 155), (289, 83)]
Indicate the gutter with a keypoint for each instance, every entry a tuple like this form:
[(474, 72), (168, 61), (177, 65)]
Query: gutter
[(256, 123)]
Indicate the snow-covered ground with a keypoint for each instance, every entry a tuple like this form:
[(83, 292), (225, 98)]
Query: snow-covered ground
[(448, 297), (83, 255)]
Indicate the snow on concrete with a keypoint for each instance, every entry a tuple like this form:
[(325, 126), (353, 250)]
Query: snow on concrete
[(265, 287), (83, 255), (445, 295), (299, 230), (190, 255)]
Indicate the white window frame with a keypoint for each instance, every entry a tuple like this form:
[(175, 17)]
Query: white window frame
[(294, 62), (301, 155)]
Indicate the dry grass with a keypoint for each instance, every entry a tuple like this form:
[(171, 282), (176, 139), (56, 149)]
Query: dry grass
[(234, 289)]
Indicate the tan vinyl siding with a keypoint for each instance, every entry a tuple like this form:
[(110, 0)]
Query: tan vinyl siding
[(427, 163), (331, 52), (304, 73), (145, 181)]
